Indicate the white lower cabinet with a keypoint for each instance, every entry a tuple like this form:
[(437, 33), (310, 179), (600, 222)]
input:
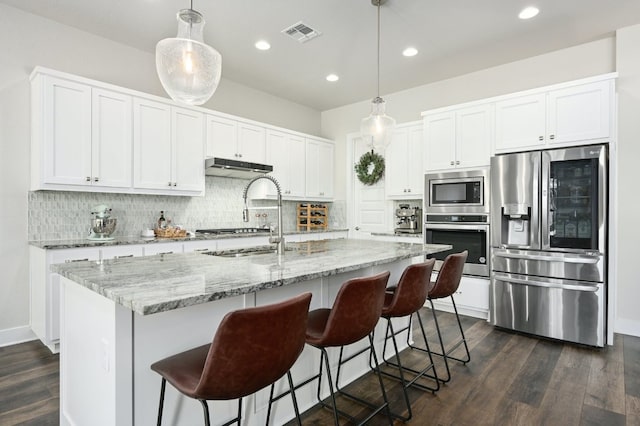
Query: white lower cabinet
[(472, 298), (45, 290)]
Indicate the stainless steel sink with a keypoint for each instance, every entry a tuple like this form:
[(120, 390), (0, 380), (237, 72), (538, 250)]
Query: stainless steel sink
[(248, 251)]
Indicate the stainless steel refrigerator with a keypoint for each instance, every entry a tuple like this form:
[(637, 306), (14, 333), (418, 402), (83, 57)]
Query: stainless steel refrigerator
[(549, 243)]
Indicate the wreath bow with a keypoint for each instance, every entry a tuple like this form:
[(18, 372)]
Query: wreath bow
[(370, 168)]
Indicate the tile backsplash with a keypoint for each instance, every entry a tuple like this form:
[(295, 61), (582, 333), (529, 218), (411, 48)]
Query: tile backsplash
[(61, 215)]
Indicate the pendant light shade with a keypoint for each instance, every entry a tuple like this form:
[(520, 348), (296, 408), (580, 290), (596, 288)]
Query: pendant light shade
[(378, 126), (188, 69)]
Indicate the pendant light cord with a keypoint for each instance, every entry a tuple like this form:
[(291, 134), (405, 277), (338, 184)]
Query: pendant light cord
[(378, 47)]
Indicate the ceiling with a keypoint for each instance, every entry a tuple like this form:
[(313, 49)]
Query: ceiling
[(453, 37)]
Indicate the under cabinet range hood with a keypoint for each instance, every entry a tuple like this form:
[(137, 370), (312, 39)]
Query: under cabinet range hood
[(234, 168)]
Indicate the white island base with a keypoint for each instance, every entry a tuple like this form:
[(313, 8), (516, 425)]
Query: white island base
[(107, 349)]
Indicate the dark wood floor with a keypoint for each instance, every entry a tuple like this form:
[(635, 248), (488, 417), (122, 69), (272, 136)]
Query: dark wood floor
[(512, 379)]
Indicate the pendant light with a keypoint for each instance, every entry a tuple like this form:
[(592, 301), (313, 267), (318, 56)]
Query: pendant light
[(378, 126), (189, 70)]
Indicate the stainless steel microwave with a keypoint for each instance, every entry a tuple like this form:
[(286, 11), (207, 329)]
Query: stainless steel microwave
[(457, 191)]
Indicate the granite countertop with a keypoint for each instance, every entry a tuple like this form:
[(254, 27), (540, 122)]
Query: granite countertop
[(152, 284), (137, 239)]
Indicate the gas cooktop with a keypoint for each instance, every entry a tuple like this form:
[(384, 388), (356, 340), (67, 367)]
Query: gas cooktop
[(218, 231)]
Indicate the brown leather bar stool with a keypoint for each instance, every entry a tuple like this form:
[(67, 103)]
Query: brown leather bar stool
[(406, 299), (354, 315), (251, 349), (445, 285)]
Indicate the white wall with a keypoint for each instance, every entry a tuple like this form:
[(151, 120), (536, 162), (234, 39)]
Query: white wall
[(625, 214), (620, 53), (26, 41)]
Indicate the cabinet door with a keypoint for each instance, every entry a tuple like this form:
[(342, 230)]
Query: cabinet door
[(396, 164), (222, 137), (473, 136), (296, 156), (251, 143), (439, 141), (277, 156), (520, 123), (319, 169), (325, 168), (151, 145), (415, 166), (66, 132), (580, 113), (111, 139), (187, 149)]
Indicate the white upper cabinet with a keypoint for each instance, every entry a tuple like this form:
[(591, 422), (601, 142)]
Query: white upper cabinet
[(81, 136), (168, 149), (222, 137), (235, 140), (458, 138), (111, 138), (575, 114), (403, 163), (286, 153), (520, 122), (319, 170), (580, 113)]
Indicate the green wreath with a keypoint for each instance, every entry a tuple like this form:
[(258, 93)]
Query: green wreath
[(370, 168)]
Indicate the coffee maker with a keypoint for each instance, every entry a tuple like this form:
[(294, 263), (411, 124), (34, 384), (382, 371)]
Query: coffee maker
[(408, 220)]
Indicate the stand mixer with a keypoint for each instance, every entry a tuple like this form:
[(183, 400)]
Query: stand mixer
[(102, 224)]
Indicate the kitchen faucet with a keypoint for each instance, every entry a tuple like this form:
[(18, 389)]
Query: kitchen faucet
[(279, 240)]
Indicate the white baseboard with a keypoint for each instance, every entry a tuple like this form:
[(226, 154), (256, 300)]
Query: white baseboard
[(626, 326), (462, 310), (13, 336)]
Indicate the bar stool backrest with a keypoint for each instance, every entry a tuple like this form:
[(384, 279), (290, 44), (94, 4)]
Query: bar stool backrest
[(253, 348), (412, 289), (356, 310), (449, 276)]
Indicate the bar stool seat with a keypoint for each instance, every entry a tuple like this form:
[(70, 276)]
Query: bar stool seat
[(354, 315), (252, 348)]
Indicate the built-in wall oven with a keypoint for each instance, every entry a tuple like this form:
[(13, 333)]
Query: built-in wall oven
[(457, 213)]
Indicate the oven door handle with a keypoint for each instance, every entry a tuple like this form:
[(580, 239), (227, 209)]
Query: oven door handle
[(457, 226), (581, 259), (511, 280)]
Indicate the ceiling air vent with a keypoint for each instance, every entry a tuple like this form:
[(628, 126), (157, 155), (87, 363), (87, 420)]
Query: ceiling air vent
[(301, 32)]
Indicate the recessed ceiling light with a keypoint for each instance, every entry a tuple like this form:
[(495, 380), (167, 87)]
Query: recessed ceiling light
[(410, 51), (263, 45), (528, 12), (332, 78)]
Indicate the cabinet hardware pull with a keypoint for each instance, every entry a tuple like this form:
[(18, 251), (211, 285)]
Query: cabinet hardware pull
[(357, 228), (175, 183), (88, 179), (409, 190), (166, 252), (75, 260), (204, 249), (240, 155), (95, 179), (552, 136), (540, 138), (169, 183), (451, 163), (123, 256), (458, 162)]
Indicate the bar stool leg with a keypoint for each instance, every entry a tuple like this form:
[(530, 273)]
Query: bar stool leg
[(163, 386), (376, 371), (464, 339), (205, 408)]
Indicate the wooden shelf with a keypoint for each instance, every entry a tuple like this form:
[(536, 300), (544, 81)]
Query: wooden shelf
[(310, 216)]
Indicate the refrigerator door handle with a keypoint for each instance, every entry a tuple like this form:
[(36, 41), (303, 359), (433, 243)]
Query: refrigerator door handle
[(511, 280), (581, 259)]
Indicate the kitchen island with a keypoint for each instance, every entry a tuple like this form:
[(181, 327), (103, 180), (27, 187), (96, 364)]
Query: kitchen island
[(119, 316)]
